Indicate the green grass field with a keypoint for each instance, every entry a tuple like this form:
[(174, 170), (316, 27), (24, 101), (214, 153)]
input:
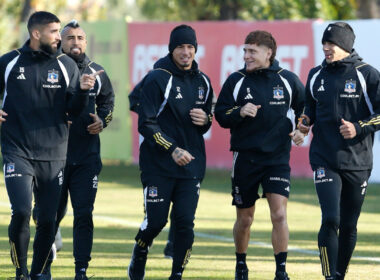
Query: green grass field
[(118, 214)]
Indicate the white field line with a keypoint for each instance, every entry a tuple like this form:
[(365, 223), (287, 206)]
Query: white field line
[(127, 223)]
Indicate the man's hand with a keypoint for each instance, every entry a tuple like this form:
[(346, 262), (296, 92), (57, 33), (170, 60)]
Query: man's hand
[(97, 126), (297, 137), (304, 124), (181, 156), (198, 116), (2, 115), (87, 81), (249, 110), (347, 129)]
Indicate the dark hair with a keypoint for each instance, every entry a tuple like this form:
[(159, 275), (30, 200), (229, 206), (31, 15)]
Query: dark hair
[(261, 37), (41, 18), (72, 24)]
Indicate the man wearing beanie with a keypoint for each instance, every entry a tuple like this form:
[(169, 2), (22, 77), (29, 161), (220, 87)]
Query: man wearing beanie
[(343, 106), (174, 110)]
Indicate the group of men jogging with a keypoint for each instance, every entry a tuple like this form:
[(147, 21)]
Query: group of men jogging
[(50, 142)]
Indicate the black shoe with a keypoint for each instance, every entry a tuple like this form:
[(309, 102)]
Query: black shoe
[(136, 268), (281, 275), (169, 250), (80, 276), (241, 274), (20, 277), (41, 277), (176, 277)]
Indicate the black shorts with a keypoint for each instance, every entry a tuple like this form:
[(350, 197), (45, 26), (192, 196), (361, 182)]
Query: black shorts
[(247, 176)]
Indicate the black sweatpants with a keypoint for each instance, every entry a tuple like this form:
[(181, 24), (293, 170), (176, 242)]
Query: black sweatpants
[(81, 181), (23, 177), (158, 193), (341, 194)]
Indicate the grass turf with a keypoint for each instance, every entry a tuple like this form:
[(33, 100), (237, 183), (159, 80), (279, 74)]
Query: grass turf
[(118, 213)]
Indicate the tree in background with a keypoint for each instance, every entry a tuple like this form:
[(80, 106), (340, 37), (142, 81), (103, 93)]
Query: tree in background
[(14, 14), (188, 10)]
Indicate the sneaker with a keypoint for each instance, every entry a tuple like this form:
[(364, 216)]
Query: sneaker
[(281, 275), (20, 277), (42, 276), (169, 250), (81, 276), (241, 274), (136, 268), (176, 277), (58, 240)]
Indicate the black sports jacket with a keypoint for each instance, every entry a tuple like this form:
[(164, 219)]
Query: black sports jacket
[(167, 96), (348, 89), (84, 147), (264, 138), (38, 90)]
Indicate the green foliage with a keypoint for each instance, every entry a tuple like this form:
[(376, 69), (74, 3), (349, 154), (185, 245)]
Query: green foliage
[(10, 11), (189, 10)]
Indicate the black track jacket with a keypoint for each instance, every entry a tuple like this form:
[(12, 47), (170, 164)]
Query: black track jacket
[(167, 96), (348, 89), (38, 90), (84, 147), (264, 138)]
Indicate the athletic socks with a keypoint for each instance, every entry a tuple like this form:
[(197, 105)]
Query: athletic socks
[(241, 260), (281, 261)]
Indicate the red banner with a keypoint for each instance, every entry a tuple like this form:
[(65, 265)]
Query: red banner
[(220, 52)]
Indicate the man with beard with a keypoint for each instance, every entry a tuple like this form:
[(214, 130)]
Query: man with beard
[(343, 106), (83, 163), (174, 112), (40, 87)]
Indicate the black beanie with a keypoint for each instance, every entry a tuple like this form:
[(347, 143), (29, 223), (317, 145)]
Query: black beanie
[(342, 36), (182, 34)]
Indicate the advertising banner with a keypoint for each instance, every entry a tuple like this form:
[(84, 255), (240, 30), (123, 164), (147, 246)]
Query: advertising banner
[(220, 53)]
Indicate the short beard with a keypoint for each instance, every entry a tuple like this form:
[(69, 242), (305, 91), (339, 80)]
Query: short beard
[(77, 57), (48, 48)]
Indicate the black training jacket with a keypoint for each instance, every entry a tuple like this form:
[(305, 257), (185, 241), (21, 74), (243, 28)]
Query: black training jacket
[(167, 96), (265, 138), (348, 89), (84, 147), (38, 90)]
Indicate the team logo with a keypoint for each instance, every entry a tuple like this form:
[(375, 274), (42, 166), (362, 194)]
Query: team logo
[(22, 70), (10, 167), (201, 93), (278, 93), (350, 86), (52, 76), (152, 191), (321, 173)]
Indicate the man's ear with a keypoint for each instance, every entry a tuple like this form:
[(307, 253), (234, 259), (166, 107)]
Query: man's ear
[(36, 34), (270, 52)]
